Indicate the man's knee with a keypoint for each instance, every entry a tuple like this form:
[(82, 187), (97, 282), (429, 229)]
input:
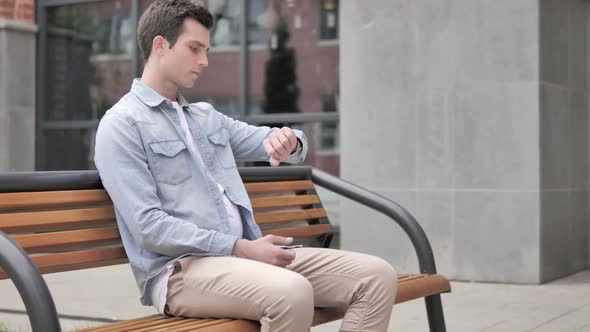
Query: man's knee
[(293, 292), (289, 300), (383, 273), (295, 289)]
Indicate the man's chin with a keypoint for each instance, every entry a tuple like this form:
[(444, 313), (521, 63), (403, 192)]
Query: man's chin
[(188, 84)]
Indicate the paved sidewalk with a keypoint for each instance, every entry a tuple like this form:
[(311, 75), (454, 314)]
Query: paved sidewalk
[(90, 297)]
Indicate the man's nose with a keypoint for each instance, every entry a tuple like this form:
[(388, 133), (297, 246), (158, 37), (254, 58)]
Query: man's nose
[(203, 61)]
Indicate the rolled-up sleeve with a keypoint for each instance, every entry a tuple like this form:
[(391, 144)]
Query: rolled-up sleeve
[(246, 141)]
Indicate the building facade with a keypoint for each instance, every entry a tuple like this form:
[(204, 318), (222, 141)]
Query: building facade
[(472, 114)]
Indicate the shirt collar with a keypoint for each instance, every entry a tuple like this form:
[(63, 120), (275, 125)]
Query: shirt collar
[(181, 100), (150, 97)]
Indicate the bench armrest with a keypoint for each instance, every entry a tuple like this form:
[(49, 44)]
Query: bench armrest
[(388, 207), (30, 284)]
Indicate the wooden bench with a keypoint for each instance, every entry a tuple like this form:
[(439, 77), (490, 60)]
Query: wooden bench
[(64, 221)]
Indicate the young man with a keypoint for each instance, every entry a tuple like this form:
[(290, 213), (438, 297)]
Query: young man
[(184, 215)]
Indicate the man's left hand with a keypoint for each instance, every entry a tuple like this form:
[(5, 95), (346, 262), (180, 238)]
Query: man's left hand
[(280, 144)]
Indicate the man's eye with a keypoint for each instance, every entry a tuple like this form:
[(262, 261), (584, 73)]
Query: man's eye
[(194, 49)]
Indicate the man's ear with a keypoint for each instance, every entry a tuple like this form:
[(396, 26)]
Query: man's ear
[(159, 44)]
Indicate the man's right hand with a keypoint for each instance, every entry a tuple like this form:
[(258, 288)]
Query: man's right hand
[(266, 250)]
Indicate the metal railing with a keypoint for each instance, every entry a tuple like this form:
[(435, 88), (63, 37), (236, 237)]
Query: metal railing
[(30, 284)]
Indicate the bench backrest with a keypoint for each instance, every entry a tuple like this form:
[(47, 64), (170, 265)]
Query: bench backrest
[(65, 230)]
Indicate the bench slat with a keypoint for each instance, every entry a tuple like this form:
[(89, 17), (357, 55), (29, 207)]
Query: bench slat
[(77, 260), (240, 325), (57, 199), (168, 325), (278, 186), (184, 326), (287, 216), (284, 201), (409, 277), (303, 232), (130, 322), (418, 286), (139, 326), (70, 240), (54, 220), (157, 323), (181, 325)]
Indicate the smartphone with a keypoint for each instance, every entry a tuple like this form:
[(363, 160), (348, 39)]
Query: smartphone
[(292, 247)]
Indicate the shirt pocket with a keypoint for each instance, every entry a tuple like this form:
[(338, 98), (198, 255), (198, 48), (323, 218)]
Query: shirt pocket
[(223, 151), (169, 162)]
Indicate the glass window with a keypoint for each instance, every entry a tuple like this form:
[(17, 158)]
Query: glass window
[(328, 133), (87, 69), (293, 74), (328, 29), (70, 149), (227, 13), (229, 106)]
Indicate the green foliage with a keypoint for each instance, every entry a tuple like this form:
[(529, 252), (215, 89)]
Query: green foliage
[(76, 18)]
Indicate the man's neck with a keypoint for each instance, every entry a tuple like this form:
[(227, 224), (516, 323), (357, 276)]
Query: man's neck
[(165, 88)]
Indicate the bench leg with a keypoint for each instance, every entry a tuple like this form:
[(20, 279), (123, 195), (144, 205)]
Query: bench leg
[(436, 319), (328, 240)]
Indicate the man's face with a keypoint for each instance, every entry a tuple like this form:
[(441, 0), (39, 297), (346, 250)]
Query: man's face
[(184, 62)]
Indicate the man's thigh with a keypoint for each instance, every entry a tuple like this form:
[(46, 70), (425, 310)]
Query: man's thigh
[(336, 274), (231, 287)]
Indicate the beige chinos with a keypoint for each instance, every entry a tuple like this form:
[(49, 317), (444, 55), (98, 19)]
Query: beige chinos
[(283, 299)]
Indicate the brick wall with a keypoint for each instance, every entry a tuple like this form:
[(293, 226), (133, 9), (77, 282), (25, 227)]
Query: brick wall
[(20, 10)]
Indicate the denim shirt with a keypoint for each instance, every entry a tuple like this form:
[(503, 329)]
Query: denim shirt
[(166, 205)]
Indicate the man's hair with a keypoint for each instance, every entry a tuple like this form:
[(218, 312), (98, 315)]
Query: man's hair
[(165, 18)]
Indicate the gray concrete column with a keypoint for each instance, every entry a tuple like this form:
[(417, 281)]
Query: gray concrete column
[(445, 109), (17, 95), (563, 136)]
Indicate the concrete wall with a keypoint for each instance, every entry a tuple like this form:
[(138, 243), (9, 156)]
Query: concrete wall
[(17, 95), (445, 110), (564, 136)]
